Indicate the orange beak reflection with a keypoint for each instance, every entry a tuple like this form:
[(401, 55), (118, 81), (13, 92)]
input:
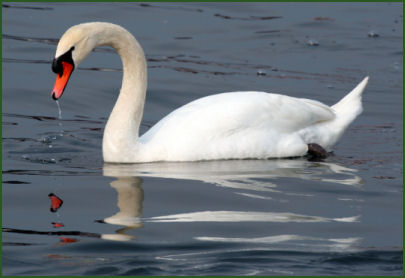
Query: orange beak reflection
[(62, 80)]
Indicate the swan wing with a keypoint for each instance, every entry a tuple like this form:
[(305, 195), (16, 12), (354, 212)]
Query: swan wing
[(233, 126), (228, 113)]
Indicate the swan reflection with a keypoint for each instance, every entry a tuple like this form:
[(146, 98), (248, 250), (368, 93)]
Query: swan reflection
[(254, 175), (295, 242), (247, 216), (130, 199), (240, 174)]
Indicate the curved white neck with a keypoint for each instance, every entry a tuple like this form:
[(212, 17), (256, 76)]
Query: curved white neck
[(122, 129)]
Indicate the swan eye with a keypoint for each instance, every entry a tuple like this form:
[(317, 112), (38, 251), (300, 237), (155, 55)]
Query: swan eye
[(57, 62)]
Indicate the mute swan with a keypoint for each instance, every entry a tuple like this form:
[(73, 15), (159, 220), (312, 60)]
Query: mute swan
[(235, 125)]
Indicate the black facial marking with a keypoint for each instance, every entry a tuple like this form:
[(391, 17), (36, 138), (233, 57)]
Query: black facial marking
[(57, 62)]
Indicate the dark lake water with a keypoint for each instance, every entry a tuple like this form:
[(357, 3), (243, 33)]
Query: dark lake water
[(341, 216)]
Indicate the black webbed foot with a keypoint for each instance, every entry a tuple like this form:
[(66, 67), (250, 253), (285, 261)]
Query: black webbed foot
[(316, 152)]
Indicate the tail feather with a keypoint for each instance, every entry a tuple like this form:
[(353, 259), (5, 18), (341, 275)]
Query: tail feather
[(350, 106), (346, 110)]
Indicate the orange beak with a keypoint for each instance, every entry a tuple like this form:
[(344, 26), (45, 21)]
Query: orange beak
[(62, 80)]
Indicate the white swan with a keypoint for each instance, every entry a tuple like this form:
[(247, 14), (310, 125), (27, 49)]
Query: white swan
[(234, 125)]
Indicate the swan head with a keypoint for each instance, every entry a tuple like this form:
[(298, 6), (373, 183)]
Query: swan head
[(73, 47)]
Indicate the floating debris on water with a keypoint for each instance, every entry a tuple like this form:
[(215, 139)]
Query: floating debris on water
[(261, 72), (48, 139), (183, 38), (323, 18), (373, 34), (312, 42)]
